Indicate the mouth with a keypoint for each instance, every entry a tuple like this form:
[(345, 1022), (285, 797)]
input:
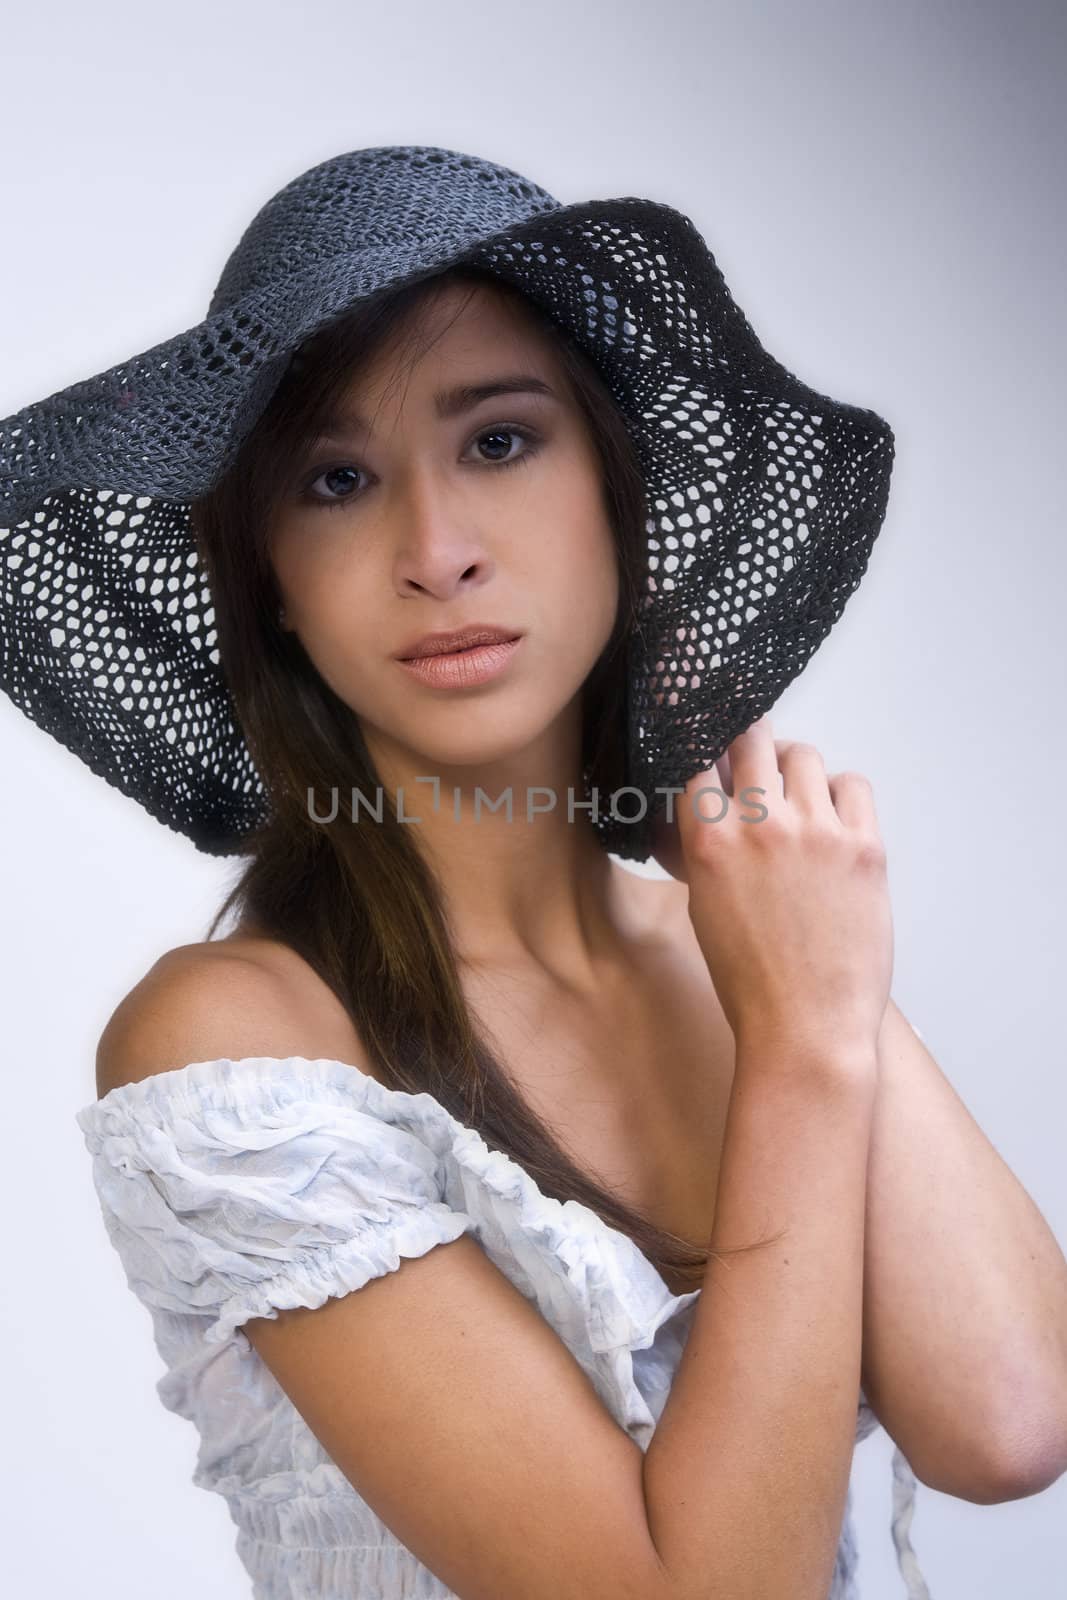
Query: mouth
[(464, 667), (458, 642), (462, 650)]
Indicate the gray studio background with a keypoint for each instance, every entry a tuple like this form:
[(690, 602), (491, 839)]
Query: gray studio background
[(880, 185)]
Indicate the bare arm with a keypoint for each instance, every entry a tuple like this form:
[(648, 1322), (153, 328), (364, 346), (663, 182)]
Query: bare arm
[(965, 1288), (746, 1475)]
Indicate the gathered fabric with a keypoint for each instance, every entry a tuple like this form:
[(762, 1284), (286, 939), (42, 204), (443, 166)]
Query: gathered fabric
[(234, 1189)]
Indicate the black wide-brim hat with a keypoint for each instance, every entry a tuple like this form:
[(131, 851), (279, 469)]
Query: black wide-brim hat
[(764, 497)]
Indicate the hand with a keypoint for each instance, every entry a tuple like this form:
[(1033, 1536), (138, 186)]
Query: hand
[(791, 911)]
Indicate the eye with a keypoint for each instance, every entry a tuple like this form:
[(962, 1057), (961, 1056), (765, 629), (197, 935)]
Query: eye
[(342, 473), (338, 472)]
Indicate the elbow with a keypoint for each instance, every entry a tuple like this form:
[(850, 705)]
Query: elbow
[(1030, 1449), (997, 1463), (1013, 1482), (1021, 1473), (1009, 1470)]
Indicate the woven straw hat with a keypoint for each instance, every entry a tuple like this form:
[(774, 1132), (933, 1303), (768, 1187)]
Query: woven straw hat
[(764, 497)]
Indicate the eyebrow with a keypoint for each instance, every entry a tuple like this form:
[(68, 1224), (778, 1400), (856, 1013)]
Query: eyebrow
[(452, 402)]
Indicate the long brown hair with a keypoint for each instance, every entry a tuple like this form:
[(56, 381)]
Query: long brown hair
[(361, 904)]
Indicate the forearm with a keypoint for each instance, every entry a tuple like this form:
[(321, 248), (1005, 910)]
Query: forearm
[(746, 1475), (965, 1315)]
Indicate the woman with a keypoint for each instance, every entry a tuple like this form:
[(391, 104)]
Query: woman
[(444, 1009)]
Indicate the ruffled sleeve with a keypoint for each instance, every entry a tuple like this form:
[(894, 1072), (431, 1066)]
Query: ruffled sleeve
[(236, 1189)]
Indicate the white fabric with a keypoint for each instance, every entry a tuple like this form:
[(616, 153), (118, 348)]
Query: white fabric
[(235, 1189)]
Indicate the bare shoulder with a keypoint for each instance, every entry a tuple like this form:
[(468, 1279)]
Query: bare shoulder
[(224, 999)]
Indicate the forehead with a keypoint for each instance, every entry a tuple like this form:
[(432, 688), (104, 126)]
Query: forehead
[(458, 347), (474, 310)]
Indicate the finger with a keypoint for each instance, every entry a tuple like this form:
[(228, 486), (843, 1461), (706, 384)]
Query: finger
[(853, 798), (804, 778), (753, 760)]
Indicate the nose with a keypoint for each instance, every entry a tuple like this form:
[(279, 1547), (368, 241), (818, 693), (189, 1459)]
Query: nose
[(438, 548)]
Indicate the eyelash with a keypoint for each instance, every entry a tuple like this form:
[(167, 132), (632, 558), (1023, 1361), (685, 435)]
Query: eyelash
[(532, 440)]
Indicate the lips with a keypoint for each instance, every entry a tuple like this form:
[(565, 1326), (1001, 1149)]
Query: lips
[(472, 668), (436, 644)]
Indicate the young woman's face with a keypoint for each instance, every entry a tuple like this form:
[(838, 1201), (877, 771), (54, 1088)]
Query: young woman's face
[(491, 514)]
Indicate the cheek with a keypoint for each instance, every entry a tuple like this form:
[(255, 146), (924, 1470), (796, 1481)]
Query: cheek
[(330, 604), (578, 541)]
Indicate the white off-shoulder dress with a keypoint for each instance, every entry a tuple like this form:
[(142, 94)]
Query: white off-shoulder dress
[(236, 1189)]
